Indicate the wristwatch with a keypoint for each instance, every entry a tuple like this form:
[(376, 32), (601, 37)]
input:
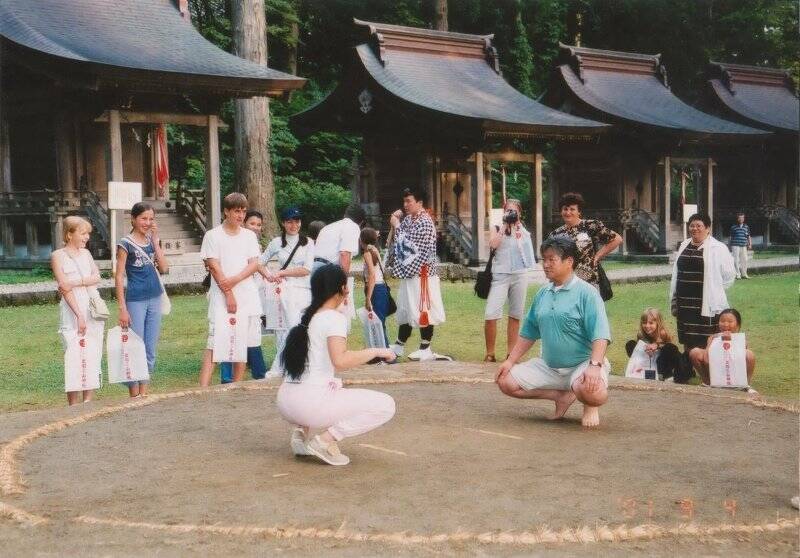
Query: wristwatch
[(595, 363)]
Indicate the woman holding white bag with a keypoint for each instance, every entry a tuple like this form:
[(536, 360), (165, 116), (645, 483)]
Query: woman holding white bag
[(295, 254), (141, 260), (77, 274)]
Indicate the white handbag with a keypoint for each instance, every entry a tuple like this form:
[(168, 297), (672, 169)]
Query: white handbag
[(373, 329), (727, 361), (230, 337), (82, 360), (641, 365), (127, 356)]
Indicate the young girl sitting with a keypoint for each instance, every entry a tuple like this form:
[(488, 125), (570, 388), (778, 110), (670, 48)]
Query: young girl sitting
[(311, 397), (730, 321), (659, 342)]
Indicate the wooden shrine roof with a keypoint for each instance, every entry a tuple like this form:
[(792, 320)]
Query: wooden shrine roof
[(140, 45), (631, 89), (438, 76), (758, 96)]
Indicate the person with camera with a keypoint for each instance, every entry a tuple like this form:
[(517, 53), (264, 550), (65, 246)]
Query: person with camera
[(512, 261)]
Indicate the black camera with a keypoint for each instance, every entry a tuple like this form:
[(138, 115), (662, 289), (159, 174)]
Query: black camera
[(510, 217)]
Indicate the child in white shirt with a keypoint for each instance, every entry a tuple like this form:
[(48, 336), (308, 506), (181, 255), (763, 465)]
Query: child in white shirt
[(231, 253), (311, 397)]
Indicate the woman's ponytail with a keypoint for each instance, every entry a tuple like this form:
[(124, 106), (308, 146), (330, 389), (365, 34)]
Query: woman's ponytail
[(326, 283)]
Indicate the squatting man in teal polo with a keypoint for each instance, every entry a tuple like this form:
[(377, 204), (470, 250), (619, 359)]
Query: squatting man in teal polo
[(569, 317)]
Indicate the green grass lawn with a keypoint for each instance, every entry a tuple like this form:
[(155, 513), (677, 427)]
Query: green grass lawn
[(31, 358), (17, 276)]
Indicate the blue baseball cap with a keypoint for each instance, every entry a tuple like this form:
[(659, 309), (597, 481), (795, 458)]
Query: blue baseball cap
[(291, 213)]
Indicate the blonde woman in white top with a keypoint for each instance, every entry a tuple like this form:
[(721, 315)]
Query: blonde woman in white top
[(76, 273), (293, 275)]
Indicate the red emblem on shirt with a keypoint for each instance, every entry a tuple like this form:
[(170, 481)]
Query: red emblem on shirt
[(278, 290), (726, 346), (124, 338), (519, 235), (82, 342), (232, 321)]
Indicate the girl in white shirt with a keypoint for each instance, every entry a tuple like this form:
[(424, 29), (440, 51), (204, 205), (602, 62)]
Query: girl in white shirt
[(293, 276), (311, 397)]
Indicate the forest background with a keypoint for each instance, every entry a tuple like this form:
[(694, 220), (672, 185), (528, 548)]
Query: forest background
[(313, 38)]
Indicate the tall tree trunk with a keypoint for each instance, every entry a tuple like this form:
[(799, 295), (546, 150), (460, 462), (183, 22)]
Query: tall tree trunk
[(440, 15), (251, 117)]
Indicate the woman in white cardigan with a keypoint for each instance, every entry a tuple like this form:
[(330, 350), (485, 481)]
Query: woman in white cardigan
[(702, 271)]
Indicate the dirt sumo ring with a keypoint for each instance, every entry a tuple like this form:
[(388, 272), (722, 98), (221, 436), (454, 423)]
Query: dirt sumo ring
[(459, 464)]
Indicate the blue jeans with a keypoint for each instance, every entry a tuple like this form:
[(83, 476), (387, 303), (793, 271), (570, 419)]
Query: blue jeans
[(380, 305), (255, 360), (146, 323)]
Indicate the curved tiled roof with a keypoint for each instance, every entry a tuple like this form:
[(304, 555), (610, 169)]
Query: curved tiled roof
[(758, 96), (631, 88), (450, 75), (133, 39)]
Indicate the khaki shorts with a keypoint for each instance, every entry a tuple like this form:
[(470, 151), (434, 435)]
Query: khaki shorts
[(511, 287), (536, 374), (253, 333)]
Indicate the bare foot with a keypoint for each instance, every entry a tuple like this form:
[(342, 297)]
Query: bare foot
[(563, 403), (591, 416)]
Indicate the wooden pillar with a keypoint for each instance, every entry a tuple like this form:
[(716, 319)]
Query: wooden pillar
[(65, 160), (115, 143), (5, 157), (666, 208), (213, 204), (7, 237), (537, 184), (478, 208), (710, 189), (32, 238)]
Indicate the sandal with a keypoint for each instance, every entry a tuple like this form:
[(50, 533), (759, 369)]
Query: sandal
[(489, 358)]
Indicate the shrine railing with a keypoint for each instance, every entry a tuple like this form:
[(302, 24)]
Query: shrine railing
[(191, 204)]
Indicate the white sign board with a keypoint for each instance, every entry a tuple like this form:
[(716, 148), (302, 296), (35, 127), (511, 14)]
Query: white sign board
[(122, 195), (689, 209)]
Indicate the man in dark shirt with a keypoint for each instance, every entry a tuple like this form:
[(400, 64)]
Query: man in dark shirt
[(740, 243)]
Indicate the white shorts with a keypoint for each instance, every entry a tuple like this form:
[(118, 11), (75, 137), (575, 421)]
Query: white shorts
[(511, 287), (536, 374), (253, 333), (408, 302)]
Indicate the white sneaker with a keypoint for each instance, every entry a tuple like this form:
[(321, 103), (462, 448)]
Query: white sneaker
[(422, 354), (298, 442), (329, 453), (397, 349)]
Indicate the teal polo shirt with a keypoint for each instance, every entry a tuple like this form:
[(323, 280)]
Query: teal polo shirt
[(567, 321)]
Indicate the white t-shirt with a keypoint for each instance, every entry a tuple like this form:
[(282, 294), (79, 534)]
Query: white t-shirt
[(232, 252), (340, 236), (319, 367), (303, 257)]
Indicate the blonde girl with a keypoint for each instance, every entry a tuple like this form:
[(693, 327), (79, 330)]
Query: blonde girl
[(76, 274), (659, 343)]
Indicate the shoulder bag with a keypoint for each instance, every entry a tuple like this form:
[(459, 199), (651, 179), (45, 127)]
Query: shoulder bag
[(166, 303)]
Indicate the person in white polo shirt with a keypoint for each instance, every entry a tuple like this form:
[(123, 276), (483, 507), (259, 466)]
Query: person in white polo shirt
[(337, 243)]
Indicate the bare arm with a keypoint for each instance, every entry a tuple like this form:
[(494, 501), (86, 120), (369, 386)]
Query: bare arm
[(521, 347), (497, 238), (342, 358), (368, 256), (606, 249), (297, 271), (345, 258), (69, 296), (119, 285), (216, 272)]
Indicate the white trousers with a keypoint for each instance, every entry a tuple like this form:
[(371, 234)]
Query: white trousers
[(740, 260), (342, 412)]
